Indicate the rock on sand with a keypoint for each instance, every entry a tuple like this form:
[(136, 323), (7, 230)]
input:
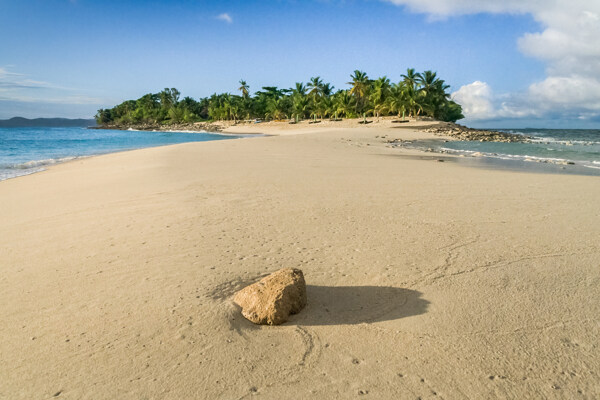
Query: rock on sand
[(271, 300)]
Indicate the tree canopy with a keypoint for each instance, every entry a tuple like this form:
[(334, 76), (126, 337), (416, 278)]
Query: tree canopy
[(413, 95)]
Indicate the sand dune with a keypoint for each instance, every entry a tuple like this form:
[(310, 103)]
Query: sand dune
[(425, 279)]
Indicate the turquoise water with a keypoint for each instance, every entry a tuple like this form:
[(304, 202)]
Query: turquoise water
[(27, 150), (570, 149)]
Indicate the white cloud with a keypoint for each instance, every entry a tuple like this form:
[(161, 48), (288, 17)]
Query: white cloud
[(6, 74), (476, 100), (13, 80), (52, 100), (444, 8), (17, 88), (556, 91), (225, 17), (568, 43)]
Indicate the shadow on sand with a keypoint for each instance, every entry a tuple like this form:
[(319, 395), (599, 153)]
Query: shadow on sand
[(349, 305)]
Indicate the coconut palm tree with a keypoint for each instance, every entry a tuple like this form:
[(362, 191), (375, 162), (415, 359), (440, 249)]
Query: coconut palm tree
[(416, 94), (301, 105), (427, 80), (326, 106), (434, 93), (244, 88), (315, 87), (411, 78), (398, 99), (276, 108), (413, 101), (271, 92), (299, 89), (344, 103), (379, 92), (327, 89), (360, 88)]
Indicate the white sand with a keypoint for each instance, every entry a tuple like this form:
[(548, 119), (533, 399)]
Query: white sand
[(426, 279)]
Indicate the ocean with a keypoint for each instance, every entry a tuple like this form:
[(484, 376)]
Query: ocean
[(570, 151), (24, 151)]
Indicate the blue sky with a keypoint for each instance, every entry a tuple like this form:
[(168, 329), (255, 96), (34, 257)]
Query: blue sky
[(70, 57)]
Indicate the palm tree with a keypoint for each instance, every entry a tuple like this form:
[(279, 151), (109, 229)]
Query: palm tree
[(301, 105), (271, 92), (299, 89), (344, 103), (398, 99), (360, 87), (327, 89), (413, 101), (427, 80), (315, 86), (411, 78), (434, 93), (379, 93), (244, 88), (415, 94), (326, 106), (275, 108)]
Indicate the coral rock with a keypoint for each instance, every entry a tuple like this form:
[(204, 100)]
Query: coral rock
[(271, 300)]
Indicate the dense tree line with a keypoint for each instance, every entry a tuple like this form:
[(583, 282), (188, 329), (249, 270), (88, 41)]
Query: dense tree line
[(415, 94)]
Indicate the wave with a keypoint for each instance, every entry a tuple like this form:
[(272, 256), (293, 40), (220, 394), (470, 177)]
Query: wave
[(567, 137), (525, 157), (547, 140), (8, 171), (38, 163)]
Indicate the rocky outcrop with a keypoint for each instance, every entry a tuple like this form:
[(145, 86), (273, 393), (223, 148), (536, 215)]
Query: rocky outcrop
[(274, 298), (196, 126), (460, 132)]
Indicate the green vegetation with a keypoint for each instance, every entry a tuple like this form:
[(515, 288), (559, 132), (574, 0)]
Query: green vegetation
[(416, 94)]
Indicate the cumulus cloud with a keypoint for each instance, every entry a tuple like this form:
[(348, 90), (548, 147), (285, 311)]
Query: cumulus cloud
[(567, 43), (225, 17), (479, 102), (476, 100)]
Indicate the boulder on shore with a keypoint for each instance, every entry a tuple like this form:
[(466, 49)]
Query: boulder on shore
[(274, 298)]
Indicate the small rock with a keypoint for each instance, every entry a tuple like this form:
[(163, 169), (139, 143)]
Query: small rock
[(271, 300)]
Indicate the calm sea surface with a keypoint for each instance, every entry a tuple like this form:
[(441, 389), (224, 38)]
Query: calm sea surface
[(27, 150), (552, 150)]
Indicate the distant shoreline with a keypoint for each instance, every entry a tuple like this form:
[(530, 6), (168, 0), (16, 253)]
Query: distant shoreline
[(440, 128), (20, 122)]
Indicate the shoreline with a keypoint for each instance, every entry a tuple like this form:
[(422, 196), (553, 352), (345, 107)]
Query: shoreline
[(35, 166), (413, 132)]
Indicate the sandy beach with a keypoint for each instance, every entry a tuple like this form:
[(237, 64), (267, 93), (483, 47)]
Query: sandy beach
[(425, 279)]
